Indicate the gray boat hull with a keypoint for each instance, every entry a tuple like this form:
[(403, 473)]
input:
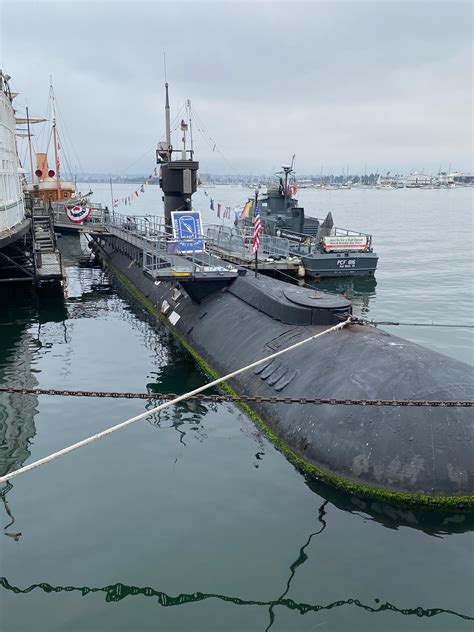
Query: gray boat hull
[(419, 455), (324, 265)]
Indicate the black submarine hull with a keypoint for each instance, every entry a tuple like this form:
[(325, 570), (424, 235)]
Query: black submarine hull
[(419, 455)]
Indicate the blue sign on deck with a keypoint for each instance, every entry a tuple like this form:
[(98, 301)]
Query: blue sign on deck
[(187, 229)]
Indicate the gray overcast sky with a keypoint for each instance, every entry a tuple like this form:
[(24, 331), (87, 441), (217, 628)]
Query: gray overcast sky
[(387, 84)]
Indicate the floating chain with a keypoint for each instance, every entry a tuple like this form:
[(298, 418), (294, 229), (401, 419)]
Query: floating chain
[(332, 401)]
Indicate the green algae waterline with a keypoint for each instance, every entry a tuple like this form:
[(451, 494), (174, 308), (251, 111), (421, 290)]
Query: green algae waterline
[(444, 503)]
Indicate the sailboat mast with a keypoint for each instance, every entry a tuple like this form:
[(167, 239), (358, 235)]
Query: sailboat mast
[(55, 137), (56, 159), (30, 147)]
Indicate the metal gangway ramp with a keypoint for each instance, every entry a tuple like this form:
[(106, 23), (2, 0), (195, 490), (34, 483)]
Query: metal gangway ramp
[(223, 244)]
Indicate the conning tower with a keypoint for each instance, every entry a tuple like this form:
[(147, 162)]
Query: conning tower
[(178, 178)]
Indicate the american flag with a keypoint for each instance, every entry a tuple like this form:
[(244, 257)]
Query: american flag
[(257, 229)]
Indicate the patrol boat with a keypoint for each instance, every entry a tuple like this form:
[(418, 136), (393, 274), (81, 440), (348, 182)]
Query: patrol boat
[(325, 250), (228, 318)]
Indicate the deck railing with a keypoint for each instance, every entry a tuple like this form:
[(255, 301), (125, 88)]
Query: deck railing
[(237, 242)]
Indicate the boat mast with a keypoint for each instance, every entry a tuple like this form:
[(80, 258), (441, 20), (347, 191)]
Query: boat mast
[(287, 169), (167, 110), (30, 147), (184, 129), (167, 118), (56, 159), (190, 127), (55, 136)]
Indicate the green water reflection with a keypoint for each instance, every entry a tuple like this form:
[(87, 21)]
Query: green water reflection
[(118, 592)]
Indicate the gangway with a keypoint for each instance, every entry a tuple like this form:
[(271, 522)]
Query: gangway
[(223, 245), (47, 258)]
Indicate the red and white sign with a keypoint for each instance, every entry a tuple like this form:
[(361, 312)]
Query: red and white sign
[(349, 242), (77, 214)]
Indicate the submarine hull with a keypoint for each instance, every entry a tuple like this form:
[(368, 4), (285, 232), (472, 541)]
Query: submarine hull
[(422, 454)]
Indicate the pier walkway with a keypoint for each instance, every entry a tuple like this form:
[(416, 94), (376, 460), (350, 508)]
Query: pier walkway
[(218, 247), (48, 266)]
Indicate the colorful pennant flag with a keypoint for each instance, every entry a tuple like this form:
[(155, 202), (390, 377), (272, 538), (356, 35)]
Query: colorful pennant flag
[(245, 212)]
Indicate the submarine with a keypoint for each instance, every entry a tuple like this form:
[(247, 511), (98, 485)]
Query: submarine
[(229, 317)]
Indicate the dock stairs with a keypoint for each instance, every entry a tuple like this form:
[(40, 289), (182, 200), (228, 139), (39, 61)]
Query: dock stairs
[(47, 258), (43, 233)]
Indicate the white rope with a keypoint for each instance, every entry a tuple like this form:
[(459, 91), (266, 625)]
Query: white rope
[(180, 398)]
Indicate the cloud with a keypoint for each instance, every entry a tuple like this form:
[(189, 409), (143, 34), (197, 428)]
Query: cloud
[(334, 82)]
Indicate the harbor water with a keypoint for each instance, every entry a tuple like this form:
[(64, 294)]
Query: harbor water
[(191, 519)]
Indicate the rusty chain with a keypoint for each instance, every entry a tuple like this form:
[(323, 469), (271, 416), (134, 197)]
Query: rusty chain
[(243, 398)]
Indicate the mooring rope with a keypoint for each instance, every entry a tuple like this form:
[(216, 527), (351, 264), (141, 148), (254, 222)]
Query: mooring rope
[(180, 398)]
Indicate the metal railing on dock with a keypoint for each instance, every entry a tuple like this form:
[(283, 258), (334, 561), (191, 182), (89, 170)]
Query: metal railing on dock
[(218, 244), (163, 255), (94, 223), (235, 244)]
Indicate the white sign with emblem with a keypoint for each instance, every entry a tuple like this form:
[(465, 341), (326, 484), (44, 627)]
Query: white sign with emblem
[(346, 242)]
